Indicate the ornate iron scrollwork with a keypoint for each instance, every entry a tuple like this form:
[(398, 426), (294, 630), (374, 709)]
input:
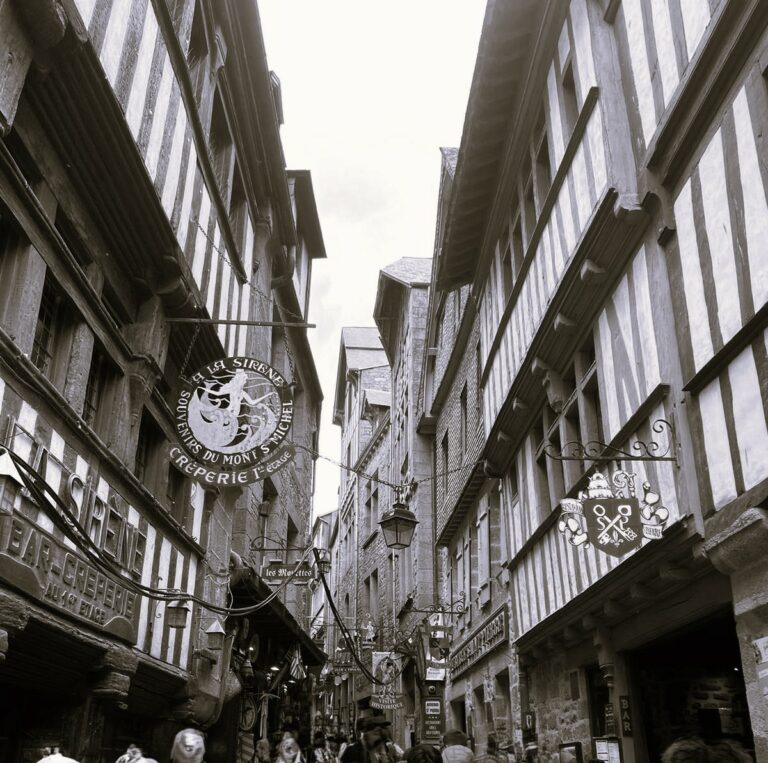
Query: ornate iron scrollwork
[(601, 452), (456, 607)]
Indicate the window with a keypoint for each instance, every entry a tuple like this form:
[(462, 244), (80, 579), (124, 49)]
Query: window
[(148, 452), (95, 387), (45, 331), (9, 490), (507, 272), (222, 152), (518, 249), (510, 499), (483, 543), (444, 465), (579, 419), (176, 493), (542, 175), (463, 420), (371, 595), (478, 380), (570, 101), (529, 205)]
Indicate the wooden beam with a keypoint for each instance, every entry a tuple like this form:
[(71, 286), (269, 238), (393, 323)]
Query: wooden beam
[(671, 572), (640, 591), (590, 272)]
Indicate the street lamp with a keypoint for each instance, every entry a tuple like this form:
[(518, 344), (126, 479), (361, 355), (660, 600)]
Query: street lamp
[(398, 525), (323, 560)]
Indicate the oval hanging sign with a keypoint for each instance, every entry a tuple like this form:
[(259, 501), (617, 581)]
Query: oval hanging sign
[(232, 418)]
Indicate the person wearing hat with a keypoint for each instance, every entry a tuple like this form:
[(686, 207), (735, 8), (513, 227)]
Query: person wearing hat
[(455, 748), (368, 743), (392, 752)]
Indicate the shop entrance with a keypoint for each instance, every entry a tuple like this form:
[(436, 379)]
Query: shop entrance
[(690, 684)]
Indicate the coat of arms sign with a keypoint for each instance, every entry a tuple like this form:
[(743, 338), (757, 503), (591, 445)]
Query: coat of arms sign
[(611, 516)]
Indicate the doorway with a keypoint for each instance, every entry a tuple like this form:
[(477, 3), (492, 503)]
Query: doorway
[(689, 683)]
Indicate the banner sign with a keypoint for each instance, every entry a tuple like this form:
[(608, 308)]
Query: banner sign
[(386, 667), (613, 519), (277, 572), (231, 418), (492, 633)]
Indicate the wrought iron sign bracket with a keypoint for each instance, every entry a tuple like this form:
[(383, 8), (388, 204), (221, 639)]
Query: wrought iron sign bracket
[(456, 607), (601, 452)]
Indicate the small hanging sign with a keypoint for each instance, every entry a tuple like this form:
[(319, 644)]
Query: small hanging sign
[(614, 519), (232, 418)]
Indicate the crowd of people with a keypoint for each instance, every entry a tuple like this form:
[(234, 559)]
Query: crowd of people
[(372, 744)]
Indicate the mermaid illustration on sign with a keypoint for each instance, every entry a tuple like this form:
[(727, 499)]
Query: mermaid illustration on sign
[(233, 412)]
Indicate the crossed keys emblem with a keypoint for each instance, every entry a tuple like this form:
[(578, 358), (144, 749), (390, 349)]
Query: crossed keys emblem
[(611, 516), (613, 524)]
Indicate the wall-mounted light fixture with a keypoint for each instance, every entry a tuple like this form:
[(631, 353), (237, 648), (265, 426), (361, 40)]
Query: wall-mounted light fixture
[(214, 635), (177, 612)]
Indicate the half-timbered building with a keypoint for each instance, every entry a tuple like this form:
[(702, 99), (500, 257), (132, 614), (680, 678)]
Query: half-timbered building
[(600, 246), (142, 181)]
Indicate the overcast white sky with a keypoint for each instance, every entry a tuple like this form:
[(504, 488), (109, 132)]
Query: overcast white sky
[(371, 90)]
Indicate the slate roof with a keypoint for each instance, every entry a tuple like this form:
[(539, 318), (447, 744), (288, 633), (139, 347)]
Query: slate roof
[(362, 347), (410, 271), (378, 397)]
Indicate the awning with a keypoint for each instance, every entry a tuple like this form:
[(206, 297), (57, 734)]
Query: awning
[(275, 616)]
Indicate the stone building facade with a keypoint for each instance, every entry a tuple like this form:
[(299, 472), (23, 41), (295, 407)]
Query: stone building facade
[(361, 578), (400, 314), (142, 180), (601, 222)]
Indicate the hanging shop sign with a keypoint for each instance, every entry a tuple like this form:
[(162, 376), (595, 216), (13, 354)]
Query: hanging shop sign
[(278, 572), (433, 719), (386, 667), (342, 662), (232, 418), (492, 633), (760, 647), (611, 516)]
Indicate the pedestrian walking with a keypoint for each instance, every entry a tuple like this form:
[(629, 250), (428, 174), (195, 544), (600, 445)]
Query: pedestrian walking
[(423, 753), (321, 749), (54, 756), (188, 747), (455, 748)]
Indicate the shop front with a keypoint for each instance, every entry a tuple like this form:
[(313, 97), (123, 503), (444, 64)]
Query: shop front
[(649, 658), (277, 665), (88, 662), (479, 693)]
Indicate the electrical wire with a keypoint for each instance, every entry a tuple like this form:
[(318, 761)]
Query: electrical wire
[(68, 524), (349, 639)]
